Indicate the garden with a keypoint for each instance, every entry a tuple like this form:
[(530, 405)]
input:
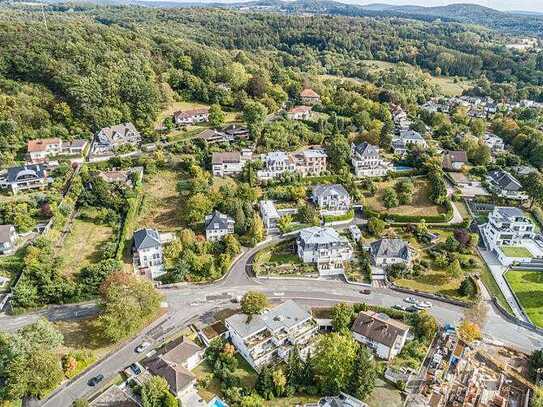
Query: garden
[(528, 288), (281, 260)]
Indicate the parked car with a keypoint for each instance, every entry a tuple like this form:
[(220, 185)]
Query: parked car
[(95, 380), (411, 300), (365, 291), (400, 307), (135, 368), (412, 308), (423, 304), (142, 346)]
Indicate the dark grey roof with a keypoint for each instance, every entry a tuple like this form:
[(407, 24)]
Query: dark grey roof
[(31, 171), (390, 248), (146, 238), (235, 129), (505, 180), (325, 190), (509, 212), (217, 221), (366, 149), (379, 328)]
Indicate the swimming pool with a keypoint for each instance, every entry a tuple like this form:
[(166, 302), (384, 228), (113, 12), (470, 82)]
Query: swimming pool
[(217, 402), (401, 168)]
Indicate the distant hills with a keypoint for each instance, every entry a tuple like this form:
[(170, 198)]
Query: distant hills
[(524, 23)]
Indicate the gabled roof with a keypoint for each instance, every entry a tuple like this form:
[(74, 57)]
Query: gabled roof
[(123, 129), (185, 114), (505, 180), (379, 328), (225, 157), (332, 189), (320, 235), (218, 221), (455, 156), (366, 149), (34, 146), (146, 238), (390, 248), (410, 135), (309, 93), (180, 350), (300, 109)]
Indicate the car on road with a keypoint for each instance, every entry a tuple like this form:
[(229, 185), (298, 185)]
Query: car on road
[(142, 346), (135, 368), (411, 300), (95, 380), (365, 291), (400, 307), (412, 308), (423, 304)]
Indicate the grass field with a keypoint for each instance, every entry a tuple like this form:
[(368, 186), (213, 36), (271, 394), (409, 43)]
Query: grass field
[(421, 205), (528, 287), (82, 245), (385, 395), (161, 203), (516, 251), (447, 85)]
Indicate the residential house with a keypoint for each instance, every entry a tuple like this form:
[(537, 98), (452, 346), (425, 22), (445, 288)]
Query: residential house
[(236, 131), (384, 335), (309, 97), (108, 139), (147, 253), (269, 337), (74, 147), (356, 234), (494, 142), (385, 252), (175, 362), (213, 331), (454, 160), (31, 176), (8, 239), (524, 170), (213, 136), (509, 226), (407, 138), (40, 149), (399, 116), (505, 185), (229, 163), (310, 162), (342, 400), (270, 215), (325, 248), (125, 177), (191, 116), (218, 225), (275, 164), (115, 395), (331, 199), (367, 161), (299, 113)]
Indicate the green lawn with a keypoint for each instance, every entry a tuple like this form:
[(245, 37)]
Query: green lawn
[(528, 287), (82, 245), (385, 395), (516, 251)]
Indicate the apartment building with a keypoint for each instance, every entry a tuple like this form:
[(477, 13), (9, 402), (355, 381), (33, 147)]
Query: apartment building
[(31, 176), (269, 337), (505, 185), (325, 248), (110, 138)]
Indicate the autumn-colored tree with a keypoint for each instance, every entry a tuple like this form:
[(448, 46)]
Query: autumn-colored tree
[(469, 331)]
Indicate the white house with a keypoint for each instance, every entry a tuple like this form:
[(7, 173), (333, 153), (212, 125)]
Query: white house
[(31, 176), (229, 163), (8, 239), (299, 113), (355, 232), (505, 185), (367, 161), (310, 161), (325, 248), (406, 138), (385, 252), (269, 337), (309, 97), (269, 213), (275, 164), (110, 138), (494, 142), (454, 160), (175, 362), (384, 335), (218, 225), (147, 253), (331, 199), (41, 149), (191, 116), (506, 227)]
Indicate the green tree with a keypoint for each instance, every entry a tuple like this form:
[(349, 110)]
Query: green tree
[(424, 325), (265, 383), (535, 363), (339, 152), (216, 116), (537, 398), (279, 382), (295, 368), (155, 393), (256, 232), (309, 214), (390, 198), (254, 114), (342, 315), (478, 127), (253, 302), (333, 362), (42, 333), (376, 226), (284, 223), (127, 302), (197, 207), (455, 270), (364, 374)]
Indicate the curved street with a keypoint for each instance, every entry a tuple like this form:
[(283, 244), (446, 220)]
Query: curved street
[(188, 302)]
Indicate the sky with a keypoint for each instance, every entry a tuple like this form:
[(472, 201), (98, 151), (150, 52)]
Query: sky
[(524, 5)]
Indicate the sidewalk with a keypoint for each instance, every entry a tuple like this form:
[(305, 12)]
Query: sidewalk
[(497, 270)]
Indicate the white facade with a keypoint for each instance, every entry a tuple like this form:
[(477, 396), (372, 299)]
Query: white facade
[(148, 256), (269, 213), (325, 248), (218, 225), (332, 200), (494, 142), (406, 138), (268, 338), (367, 161), (386, 252), (229, 163), (309, 162), (191, 116), (8, 239), (275, 164)]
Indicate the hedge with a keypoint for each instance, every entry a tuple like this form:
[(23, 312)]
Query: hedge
[(339, 218), (134, 205)]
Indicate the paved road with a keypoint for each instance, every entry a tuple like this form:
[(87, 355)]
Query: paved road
[(188, 303)]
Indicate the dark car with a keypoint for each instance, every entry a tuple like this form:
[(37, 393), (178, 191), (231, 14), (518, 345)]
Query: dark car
[(135, 368), (365, 291), (412, 308), (95, 380)]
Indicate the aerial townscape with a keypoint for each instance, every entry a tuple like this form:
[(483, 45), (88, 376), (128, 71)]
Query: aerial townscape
[(270, 203)]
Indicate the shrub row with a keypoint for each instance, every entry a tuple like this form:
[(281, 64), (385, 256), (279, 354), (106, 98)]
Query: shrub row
[(134, 205)]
